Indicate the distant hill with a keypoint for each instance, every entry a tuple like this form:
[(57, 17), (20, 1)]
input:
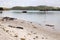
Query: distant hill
[(41, 8)]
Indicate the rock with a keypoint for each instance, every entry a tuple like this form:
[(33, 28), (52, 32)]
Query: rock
[(36, 36), (19, 27), (16, 36), (8, 18), (24, 12), (42, 37), (11, 26), (22, 38), (7, 30), (11, 18), (49, 25), (5, 18)]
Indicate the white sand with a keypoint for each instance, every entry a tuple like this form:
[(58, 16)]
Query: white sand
[(30, 31)]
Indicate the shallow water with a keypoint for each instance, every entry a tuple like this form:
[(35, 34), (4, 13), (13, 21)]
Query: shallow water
[(48, 17)]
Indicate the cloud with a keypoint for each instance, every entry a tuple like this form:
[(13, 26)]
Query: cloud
[(11, 3)]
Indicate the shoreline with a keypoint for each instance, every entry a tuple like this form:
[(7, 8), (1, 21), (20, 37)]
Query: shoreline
[(17, 29)]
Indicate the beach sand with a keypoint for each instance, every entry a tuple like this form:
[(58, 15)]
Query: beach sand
[(19, 29)]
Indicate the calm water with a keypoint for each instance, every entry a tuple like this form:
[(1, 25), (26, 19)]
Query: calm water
[(48, 17)]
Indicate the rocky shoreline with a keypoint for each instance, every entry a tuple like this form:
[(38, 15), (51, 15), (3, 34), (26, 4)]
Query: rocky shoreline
[(17, 29)]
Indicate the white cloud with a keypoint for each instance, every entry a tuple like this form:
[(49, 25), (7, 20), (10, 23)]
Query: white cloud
[(11, 3)]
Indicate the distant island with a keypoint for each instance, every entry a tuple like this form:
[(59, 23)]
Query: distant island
[(41, 8)]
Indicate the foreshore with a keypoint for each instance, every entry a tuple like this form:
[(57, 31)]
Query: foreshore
[(18, 29)]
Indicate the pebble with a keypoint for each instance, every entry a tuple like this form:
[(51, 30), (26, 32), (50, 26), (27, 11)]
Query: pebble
[(22, 38)]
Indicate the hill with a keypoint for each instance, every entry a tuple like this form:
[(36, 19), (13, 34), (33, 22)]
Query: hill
[(41, 8)]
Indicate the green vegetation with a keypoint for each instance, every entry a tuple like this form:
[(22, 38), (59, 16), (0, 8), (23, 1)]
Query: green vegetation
[(41, 8)]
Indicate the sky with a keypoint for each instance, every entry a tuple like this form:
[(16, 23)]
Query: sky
[(11, 3)]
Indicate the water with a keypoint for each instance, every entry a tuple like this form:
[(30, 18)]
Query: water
[(48, 17)]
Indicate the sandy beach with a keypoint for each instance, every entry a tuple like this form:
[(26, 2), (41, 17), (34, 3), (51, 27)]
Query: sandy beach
[(18, 29)]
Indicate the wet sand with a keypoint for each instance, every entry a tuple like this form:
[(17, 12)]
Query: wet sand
[(18, 29)]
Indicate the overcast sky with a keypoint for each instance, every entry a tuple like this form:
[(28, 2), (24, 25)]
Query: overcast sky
[(11, 3)]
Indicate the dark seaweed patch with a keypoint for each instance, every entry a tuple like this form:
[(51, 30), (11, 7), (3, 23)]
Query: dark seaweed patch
[(19, 27), (49, 25)]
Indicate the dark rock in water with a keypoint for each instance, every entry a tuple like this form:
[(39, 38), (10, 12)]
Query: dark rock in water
[(24, 12), (7, 18), (19, 27), (49, 25)]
